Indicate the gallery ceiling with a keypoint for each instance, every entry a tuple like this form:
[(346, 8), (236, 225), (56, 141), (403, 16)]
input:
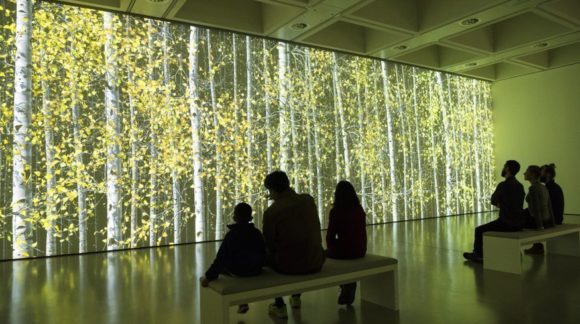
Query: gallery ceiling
[(487, 39)]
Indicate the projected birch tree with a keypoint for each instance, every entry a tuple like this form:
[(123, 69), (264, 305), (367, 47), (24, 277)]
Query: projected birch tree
[(122, 132)]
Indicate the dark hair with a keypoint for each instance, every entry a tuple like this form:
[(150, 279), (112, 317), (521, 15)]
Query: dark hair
[(514, 166), (550, 169), (535, 170), (345, 196), (277, 181), (243, 213)]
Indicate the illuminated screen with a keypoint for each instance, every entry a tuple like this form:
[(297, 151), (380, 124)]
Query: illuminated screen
[(139, 132)]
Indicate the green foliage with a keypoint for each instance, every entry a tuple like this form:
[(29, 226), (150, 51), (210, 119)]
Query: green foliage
[(438, 125)]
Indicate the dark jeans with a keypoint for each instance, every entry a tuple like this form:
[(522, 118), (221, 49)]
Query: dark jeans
[(495, 226)]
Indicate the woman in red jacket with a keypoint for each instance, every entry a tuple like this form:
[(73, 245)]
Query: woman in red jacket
[(346, 237)]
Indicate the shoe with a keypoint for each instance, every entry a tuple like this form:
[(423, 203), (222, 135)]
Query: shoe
[(472, 256), (537, 249), (278, 311), (295, 302), (347, 293), (243, 308)]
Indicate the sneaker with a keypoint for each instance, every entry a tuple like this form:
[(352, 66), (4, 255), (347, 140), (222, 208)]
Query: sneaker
[(295, 301), (537, 248), (243, 308), (279, 312), (472, 256)]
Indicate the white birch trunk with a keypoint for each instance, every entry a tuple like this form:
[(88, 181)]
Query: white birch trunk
[(340, 108), (293, 136), (390, 141), (153, 181), (403, 145), (78, 151), (113, 129), (236, 148), (361, 158), (443, 106), (434, 157), (21, 152), (218, 154), (134, 164), (266, 77), (418, 147), (477, 146), (51, 215), (309, 103), (317, 153), (282, 112), (175, 184), (195, 117), (249, 137)]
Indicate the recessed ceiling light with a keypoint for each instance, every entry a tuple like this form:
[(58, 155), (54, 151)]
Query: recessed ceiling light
[(299, 26), (401, 47), (469, 22), (540, 45), (471, 64)]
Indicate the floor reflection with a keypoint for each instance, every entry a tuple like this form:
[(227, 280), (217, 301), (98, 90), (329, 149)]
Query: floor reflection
[(160, 285)]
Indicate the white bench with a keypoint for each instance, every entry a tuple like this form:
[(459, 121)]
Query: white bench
[(503, 250), (377, 276)]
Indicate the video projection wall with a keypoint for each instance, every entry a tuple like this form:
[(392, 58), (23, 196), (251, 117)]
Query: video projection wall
[(139, 132)]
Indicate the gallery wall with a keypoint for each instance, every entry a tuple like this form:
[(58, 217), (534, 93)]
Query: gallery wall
[(536, 121)]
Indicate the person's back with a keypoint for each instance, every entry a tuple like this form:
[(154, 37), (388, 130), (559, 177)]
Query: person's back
[(557, 201), (548, 173), (509, 198), (292, 233), (539, 212), (346, 235), (242, 252)]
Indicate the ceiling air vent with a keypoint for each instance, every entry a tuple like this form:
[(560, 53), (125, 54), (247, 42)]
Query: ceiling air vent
[(299, 26), (158, 1)]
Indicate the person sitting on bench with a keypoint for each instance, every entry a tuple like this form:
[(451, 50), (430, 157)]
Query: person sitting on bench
[(242, 252), (509, 198), (539, 214), (346, 237), (292, 233)]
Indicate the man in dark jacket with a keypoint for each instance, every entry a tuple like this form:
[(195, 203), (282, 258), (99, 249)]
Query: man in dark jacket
[(292, 234), (242, 252), (509, 198)]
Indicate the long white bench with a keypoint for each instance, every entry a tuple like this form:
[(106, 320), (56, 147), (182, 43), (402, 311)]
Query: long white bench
[(503, 250), (377, 276)]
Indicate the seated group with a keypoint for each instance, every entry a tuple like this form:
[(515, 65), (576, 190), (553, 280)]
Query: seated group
[(291, 242), (545, 205)]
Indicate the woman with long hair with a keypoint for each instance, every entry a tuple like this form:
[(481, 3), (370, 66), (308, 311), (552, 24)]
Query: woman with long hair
[(346, 237)]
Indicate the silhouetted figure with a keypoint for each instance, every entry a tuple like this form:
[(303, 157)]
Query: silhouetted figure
[(509, 198), (539, 213), (556, 193), (242, 252), (346, 237), (292, 233)]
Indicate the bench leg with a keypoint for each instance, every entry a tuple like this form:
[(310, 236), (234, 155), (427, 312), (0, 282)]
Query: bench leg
[(501, 254), (564, 245), (381, 289), (213, 308)]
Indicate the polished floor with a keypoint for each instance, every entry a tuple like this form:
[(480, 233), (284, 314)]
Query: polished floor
[(160, 285)]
